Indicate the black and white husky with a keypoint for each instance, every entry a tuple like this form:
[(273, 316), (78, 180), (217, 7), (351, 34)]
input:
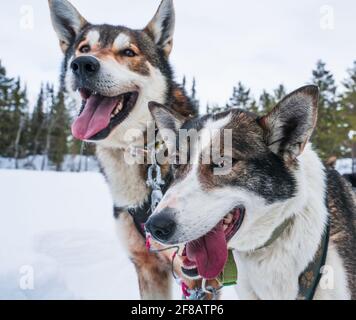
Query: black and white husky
[(115, 72), (274, 179)]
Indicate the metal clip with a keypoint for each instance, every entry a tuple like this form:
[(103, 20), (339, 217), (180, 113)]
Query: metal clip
[(156, 198), (154, 181)]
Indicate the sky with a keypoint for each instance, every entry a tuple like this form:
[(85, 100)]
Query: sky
[(260, 43)]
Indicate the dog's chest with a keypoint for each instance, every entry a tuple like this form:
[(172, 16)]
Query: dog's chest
[(267, 278), (127, 184)]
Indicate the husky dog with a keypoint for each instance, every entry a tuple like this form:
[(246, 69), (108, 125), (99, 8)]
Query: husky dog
[(117, 71), (273, 208)]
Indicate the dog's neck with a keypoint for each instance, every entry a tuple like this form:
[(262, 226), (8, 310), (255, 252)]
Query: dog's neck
[(128, 181), (307, 206), (290, 254)]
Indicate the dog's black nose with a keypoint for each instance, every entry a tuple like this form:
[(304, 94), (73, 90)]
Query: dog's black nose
[(85, 66), (161, 226)]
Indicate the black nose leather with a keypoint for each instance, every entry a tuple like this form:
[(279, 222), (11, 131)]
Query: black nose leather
[(161, 226), (85, 66)]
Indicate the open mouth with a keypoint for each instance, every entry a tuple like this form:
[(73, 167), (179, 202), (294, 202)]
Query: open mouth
[(100, 114), (207, 256)]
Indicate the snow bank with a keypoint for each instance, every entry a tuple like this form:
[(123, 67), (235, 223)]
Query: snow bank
[(70, 164), (81, 163), (61, 226), (58, 228)]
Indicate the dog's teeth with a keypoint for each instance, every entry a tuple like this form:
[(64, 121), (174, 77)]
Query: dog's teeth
[(190, 268), (117, 110), (228, 219)]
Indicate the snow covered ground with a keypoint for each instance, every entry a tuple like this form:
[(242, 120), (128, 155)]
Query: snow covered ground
[(79, 164), (57, 230), (71, 163)]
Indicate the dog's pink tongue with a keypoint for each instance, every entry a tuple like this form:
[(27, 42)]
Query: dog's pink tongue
[(94, 118), (209, 253)]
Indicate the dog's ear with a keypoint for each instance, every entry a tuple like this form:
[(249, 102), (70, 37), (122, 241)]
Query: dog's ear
[(168, 122), (166, 118), (161, 27), (67, 22), (289, 126)]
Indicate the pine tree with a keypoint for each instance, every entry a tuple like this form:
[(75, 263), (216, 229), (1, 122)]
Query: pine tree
[(38, 125), (241, 98), (194, 99), (349, 96), (348, 101), (5, 82), (331, 130), (49, 121), (58, 147), (184, 82), (6, 85), (280, 93), (215, 108), (267, 102), (19, 121)]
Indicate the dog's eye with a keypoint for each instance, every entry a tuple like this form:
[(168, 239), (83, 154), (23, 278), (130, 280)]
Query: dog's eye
[(129, 53), (85, 49)]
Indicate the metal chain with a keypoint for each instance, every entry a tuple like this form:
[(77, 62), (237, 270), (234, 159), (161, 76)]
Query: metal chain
[(155, 181)]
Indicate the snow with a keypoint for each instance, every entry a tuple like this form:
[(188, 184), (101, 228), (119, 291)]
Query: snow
[(344, 166), (81, 163), (58, 228), (71, 163)]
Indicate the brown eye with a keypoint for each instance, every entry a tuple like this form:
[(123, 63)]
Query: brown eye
[(85, 49), (129, 53)]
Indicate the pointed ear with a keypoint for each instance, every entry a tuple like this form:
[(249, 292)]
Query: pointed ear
[(66, 21), (166, 118), (161, 27), (168, 122), (289, 126)]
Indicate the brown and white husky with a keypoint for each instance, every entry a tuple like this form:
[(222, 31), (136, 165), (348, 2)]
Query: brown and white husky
[(273, 206), (116, 71)]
